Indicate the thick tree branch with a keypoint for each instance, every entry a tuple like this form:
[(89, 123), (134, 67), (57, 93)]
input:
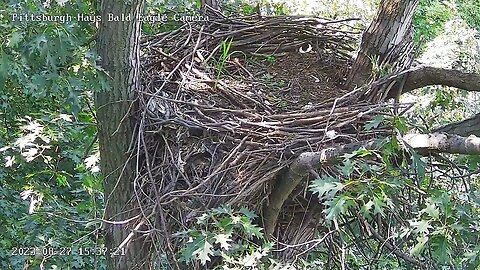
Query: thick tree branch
[(426, 75), (470, 126), (443, 143), (301, 167), (297, 172)]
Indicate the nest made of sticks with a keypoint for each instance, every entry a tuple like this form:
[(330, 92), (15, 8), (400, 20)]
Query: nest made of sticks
[(213, 130)]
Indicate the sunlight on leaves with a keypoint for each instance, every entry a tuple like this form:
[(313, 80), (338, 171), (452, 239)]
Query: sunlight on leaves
[(204, 253), (223, 240)]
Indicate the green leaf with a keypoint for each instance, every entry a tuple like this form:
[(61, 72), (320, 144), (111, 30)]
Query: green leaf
[(252, 230), (78, 262), (62, 181), (365, 210), (224, 209), (374, 123), (223, 240), (326, 187), (401, 124), (39, 82), (441, 249), (204, 253), (226, 224), (249, 214), (362, 152), (473, 162), (419, 165), (418, 248), (15, 39), (431, 210), (473, 255), (4, 67), (188, 252), (347, 167), (335, 207), (421, 227), (38, 44), (379, 205)]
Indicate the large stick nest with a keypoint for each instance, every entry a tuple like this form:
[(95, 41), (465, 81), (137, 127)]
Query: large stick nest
[(227, 105)]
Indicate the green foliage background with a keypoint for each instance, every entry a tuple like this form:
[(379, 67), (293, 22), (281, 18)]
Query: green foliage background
[(47, 74), (469, 10)]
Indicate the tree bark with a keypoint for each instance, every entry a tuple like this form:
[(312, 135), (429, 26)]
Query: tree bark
[(118, 46), (425, 76), (387, 41), (422, 76), (215, 4), (443, 143), (464, 128)]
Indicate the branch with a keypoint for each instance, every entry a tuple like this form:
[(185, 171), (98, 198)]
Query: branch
[(387, 244), (306, 162), (425, 76), (298, 171), (444, 143), (470, 126)]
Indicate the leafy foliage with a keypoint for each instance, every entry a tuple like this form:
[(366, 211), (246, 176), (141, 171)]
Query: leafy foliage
[(426, 219), (226, 234), (48, 193), (469, 10), (429, 19), (51, 194)]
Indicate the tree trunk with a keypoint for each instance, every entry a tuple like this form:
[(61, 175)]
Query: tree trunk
[(118, 47), (215, 4), (386, 44)]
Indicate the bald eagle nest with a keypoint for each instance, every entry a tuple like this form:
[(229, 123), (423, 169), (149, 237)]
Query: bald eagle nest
[(227, 105)]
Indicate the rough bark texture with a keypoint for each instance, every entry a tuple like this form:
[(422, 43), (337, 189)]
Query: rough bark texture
[(464, 128), (387, 41), (215, 4), (118, 47)]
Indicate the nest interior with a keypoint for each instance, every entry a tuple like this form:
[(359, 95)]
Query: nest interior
[(226, 106)]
